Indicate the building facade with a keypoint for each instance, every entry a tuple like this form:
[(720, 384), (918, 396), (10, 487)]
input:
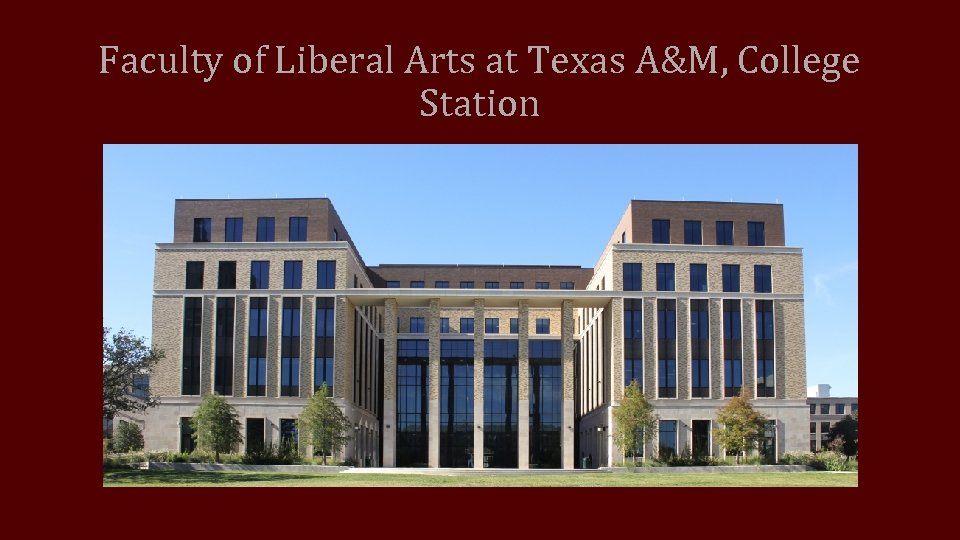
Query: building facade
[(824, 413), (263, 301)]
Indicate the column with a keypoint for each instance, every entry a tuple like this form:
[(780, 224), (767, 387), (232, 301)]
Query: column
[(389, 457), (616, 348), (683, 348), (308, 331), (523, 382), (479, 333), (566, 426), (716, 348), (433, 447), (343, 376), (650, 347), (273, 349), (240, 336), (208, 332), (748, 319)]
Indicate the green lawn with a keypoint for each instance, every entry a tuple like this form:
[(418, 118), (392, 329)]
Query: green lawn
[(138, 478)]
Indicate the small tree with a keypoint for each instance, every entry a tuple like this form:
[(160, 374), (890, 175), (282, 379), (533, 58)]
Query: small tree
[(126, 356), (216, 426), (323, 424), (741, 427), (847, 432), (634, 421), (127, 438)]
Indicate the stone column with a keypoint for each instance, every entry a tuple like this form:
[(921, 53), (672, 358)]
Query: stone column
[(240, 337), (433, 448), (716, 348), (683, 348), (274, 323), (748, 318), (389, 457), (307, 335), (479, 333), (523, 384), (567, 450), (208, 332), (343, 349), (650, 348), (616, 348)]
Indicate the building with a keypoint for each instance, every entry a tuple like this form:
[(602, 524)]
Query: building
[(825, 411), (480, 365)]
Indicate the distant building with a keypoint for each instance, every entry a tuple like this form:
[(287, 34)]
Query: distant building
[(825, 411), (820, 390)]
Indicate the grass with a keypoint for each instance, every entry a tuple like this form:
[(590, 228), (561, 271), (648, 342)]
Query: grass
[(138, 478)]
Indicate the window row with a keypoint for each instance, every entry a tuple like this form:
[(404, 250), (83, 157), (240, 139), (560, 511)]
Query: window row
[(266, 226), (491, 325), (441, 284), (666, 277), (693, 232), (260, 274), (839, 408)]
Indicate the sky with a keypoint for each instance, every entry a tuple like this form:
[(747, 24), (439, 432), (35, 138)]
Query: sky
[(498, 204)]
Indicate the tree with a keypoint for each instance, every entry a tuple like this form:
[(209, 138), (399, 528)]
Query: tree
[(741, 427), (216, 426), (127, 438), (323, 424), (847, 432), (126, 357), (634, 421)]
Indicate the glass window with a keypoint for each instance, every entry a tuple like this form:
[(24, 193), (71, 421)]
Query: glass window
[(186, 435), (824, 429), (323, 346), (516, 284), (194, 274), (491, 326), (412, 402), (393, 284), (416, 325), (255, 435), (699, 348), (732, 348), (466, 284), (698, 277), (765, 349), (661, 231), (260, 274), (692, 232), (257, 348), (543, 326), (665, 277), (456, 403), (839, 408), (632, 277), (813, 428), (298, 229), (290, 348), (233, 229), (755, 233), (824, 408), (566, 284), (541, 285), (441, 284), (546, 403), (724, 233), (227, 275), (761, 278), (141, 385), (292, 274), (335, 236), (326, 274), (466, 325), (491, 285), (416, 284), (500, 404), (265, 229), (514, 325), (201, 229), (633, 341), (854, 408), (288, 432), (731, 278), (223, 347), (667, 348), (813, 408), (668, 438), (444, 325), (192, 323)]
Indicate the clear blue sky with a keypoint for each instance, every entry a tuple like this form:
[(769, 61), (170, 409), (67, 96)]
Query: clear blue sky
[(439, 204)]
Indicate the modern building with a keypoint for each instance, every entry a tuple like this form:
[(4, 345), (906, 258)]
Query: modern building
[(825, 411), (480, 365)]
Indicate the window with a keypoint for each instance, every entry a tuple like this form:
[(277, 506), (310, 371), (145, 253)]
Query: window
[(543, 326), (542, 285), (257, 348), (298, 229), (699, 348), (813, 410), (668, 438), (412, 402), (765, 353), (227, 275), (491, 326), (335, 236), (255, 435), (824, 429), (288, 432), (701, 438), (192, 323), (632, 341), (516, 284), (393, 284), (667, 348), (466, 284), (724, 233), (233, 229), (491, 285), (761, 278), (141, 385), (466, 325), (260, 274), (292, 274), (223, 347), (838, 408), (194, 274), (661, 231), (323, 346), (265, 229), (546, 404), (813, 427), (566, 284), (456, 402), (514, 325), (854, 408), (692, 232), (201, 229), (632, 277), (445, 325), (732, 349), (824, 408), (416, 325), (326, 274), (500, 403), (731, 278), (665, 277), (698, 277), (441, 284), (290, 348), (186, 435), (755, 234), (416, 284)]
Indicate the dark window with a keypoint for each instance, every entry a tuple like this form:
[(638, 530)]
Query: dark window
[(192, 323), (661, 231), (768, 444), (356, 282), (813, 445), (255, 435), (699, 348), (491, 285), (755, 234), (566, 284), (323, 346), (444, 325), (456, 402), (731, 278), (292, 274), (667, 348), (516, 284), (260, 274), (838, 408), (500, 404), (441, 284), (327, 275), (223, 363), (824, 408), (724, 233), (541, 285), (854, 408), (765, 354), (233, 229), (632, 277), (298, 229), (393, 284), (824, 429), (141, 385), (335, 236), (201, 229), (665, 277), (692, 232), (227, 275), (761, 278), (514, 325), (813, 410), (194, 274), (412, 402), (546, 404), (257, 348), (701, 438), (732, 349), (633, 341), (416, 284), (698, 277), (265, 229), (466, 284), (668, 438), (290, 348), (416, 325), (186, 435), (288, 432), (466, 325), (491, 326), (813, 427), (543, 326)]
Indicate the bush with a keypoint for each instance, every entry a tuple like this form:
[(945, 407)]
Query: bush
[(800, 458), (285, 453), (127, 438)]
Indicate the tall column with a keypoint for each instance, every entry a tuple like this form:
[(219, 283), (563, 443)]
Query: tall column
[(716, 348), (343, 377), (433, 448), (616, 349), (274, 323), (748, 318), (208, 333), (307, 335), (389, 457), (683, 349), (566, 426), (479, 333), (523, 386), (240, 337), (650, 348)]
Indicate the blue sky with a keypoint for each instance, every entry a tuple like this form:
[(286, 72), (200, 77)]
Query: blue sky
[(448, 204)]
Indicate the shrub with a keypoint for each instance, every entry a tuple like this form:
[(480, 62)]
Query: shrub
[(285, 453), (127, 438), (800, 458)]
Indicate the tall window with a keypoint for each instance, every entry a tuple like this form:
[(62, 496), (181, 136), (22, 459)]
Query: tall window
[(632, 277), (192, 322), (186, 435), (416, 325), (692, 232), (260, 274), (543, 326), (699, 348), (255, 435), (765, 355), (566, 284), (698, 277), (456, 402), (326, 274), (323, 346), (665, 277), (227, 275), (731, 278), (491, 285), (854, 408), (633, 341), (265, 229), (500, 403), (445, 325), (668, 438), (724, 233), (491, 325), (701, 438), (298, 229), (661, 231), (412, 402), (755, 233), (761, 278), (257, 348), (418, 284), (667, 348), (546, 403), (441, 284), (825, 409), (516, 284), (223, 362), (541, 285), (839, 408), (201, 229), (514, 325), (288, 432), (194, 274), (466, 325), (290, 348), (292, 274), (233, 229), (732, 349), (466, 284)]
